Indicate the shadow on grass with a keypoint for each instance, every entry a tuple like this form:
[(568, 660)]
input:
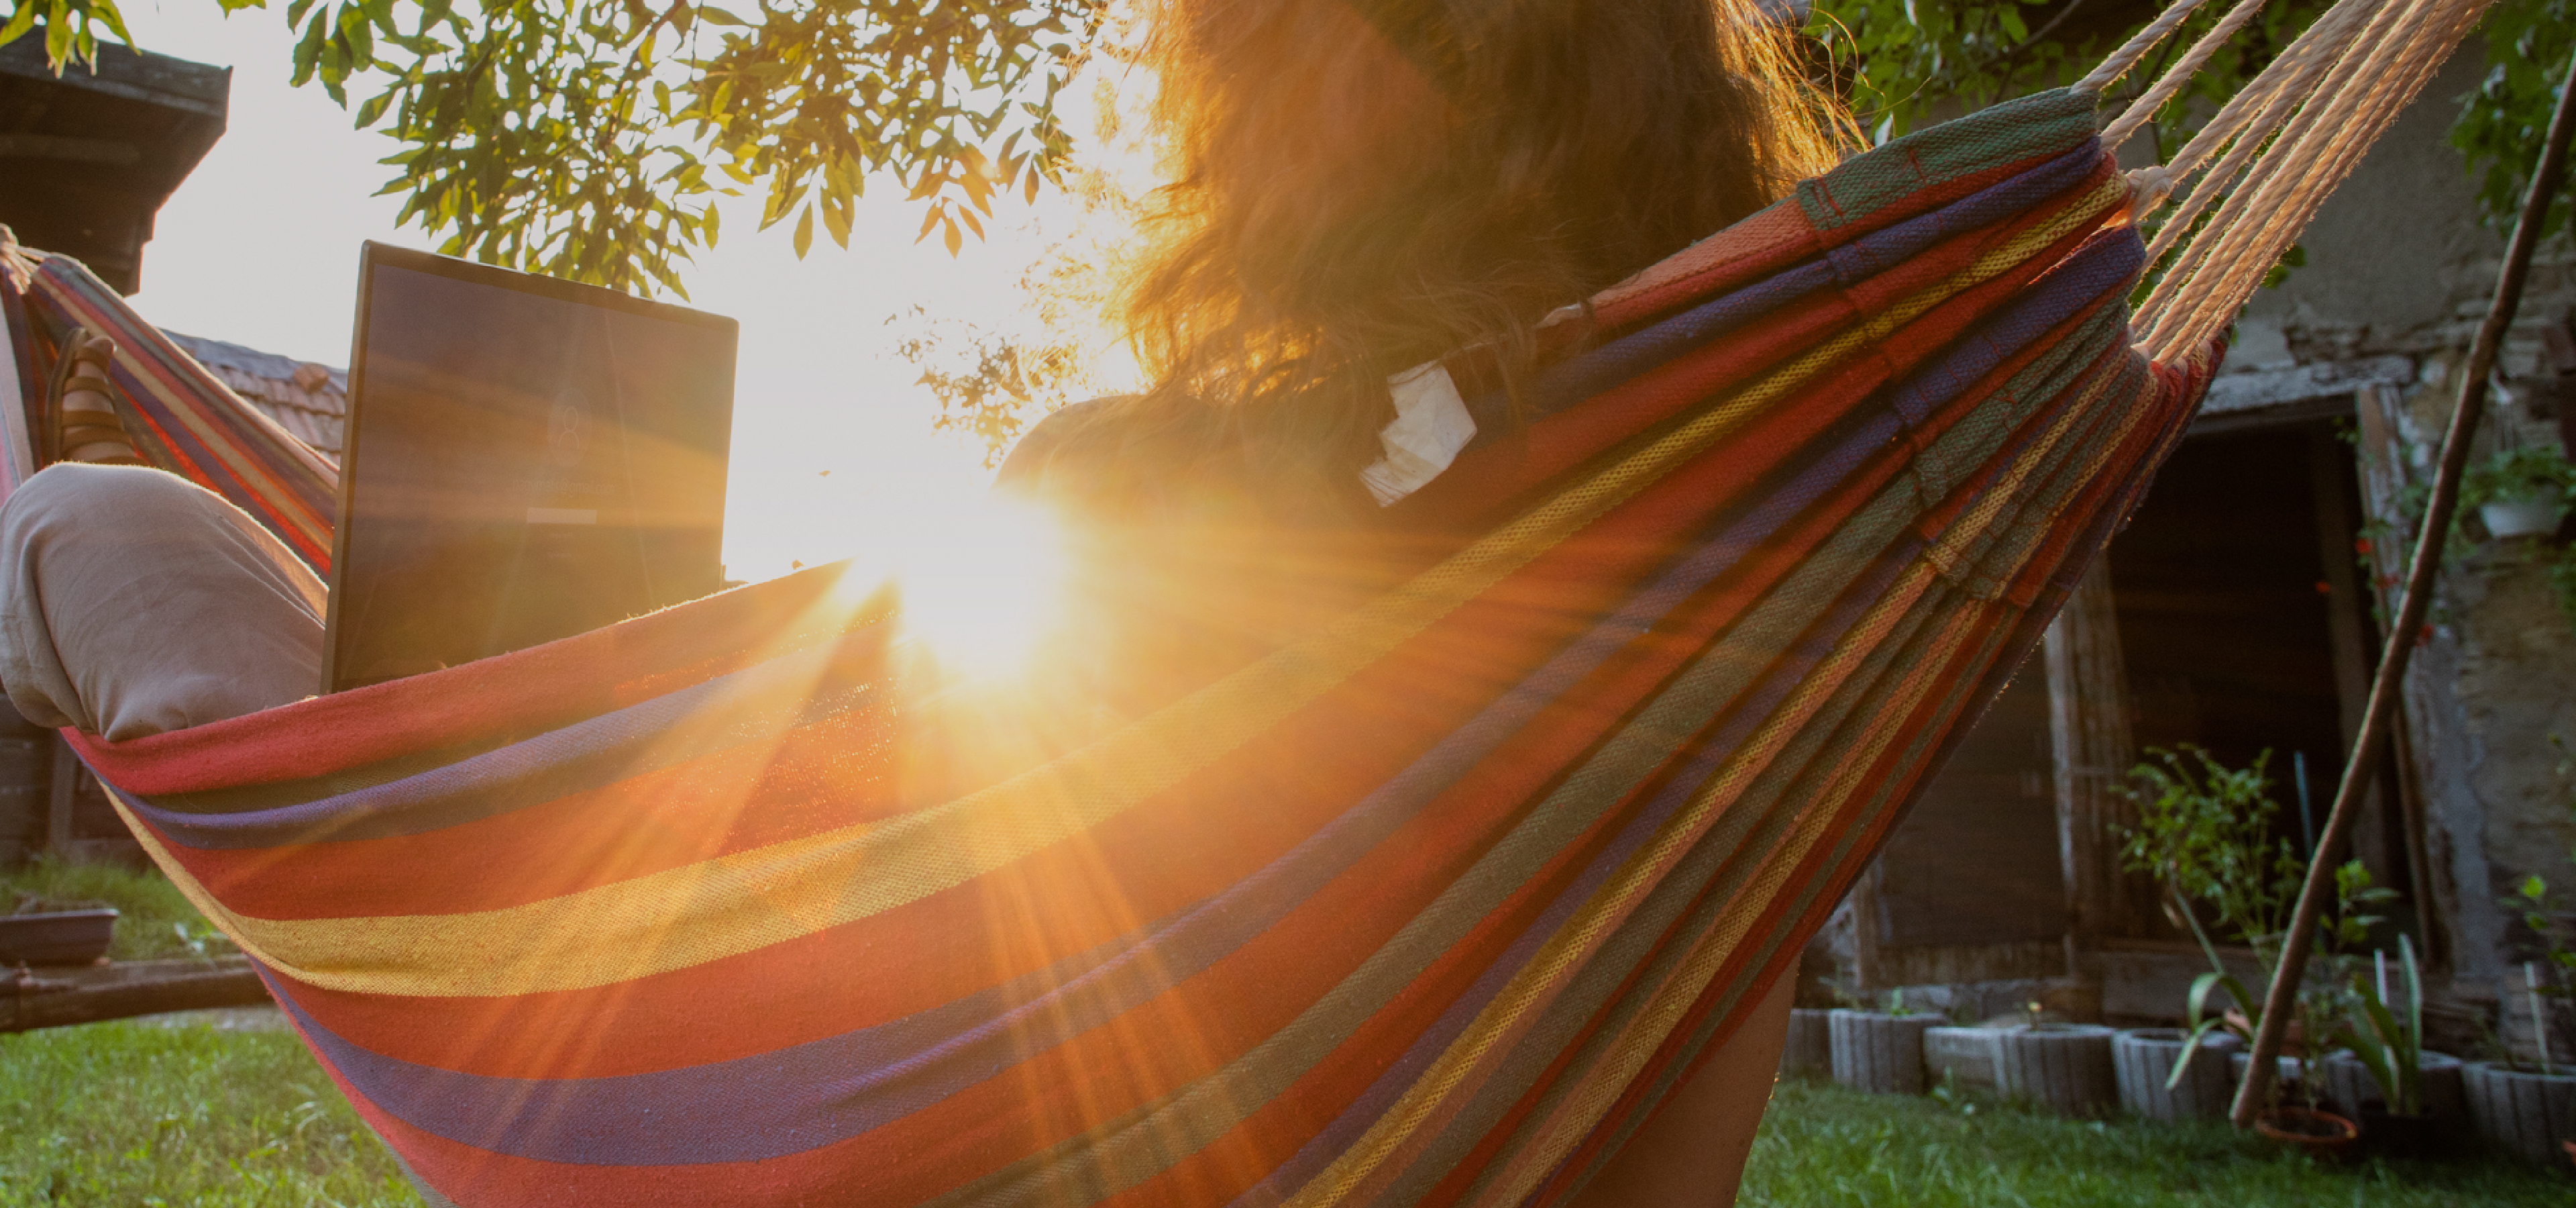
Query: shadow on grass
[(1821, 1144)]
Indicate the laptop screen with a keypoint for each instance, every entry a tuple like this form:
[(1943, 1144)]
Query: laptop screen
[(527, 459)]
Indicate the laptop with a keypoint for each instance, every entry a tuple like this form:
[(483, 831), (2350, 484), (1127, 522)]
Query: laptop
[(525, 459)]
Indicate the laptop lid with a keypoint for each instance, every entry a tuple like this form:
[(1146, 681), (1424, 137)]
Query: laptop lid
[(526, 459)]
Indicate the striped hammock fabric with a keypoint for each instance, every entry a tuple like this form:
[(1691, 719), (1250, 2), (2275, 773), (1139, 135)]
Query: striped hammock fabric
[(1430, 906)]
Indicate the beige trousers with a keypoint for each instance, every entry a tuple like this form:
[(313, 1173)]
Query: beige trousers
[(133, 602)]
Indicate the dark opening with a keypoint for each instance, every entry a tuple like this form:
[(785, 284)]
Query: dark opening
[(2228, 611)]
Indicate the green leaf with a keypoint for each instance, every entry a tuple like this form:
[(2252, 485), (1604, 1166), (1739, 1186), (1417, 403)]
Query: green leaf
[(804, 230), (19, 22), (715, 16), (308, 52)]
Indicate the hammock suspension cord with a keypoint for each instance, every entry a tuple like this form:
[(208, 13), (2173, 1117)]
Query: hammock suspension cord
[(2282, 144)]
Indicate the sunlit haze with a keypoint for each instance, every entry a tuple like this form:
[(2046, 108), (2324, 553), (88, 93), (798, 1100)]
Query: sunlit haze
[(832, 438)]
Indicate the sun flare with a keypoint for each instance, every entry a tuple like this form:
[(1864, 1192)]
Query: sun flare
[(982, 575)]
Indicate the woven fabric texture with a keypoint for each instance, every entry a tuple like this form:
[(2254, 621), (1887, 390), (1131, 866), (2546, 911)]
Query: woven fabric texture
[(1429, 906)]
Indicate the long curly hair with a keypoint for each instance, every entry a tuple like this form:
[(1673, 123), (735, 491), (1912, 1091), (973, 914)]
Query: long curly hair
[(1362, 185)]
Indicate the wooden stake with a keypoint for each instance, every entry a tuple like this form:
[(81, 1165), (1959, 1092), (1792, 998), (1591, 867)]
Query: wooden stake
[(2280, 1001)]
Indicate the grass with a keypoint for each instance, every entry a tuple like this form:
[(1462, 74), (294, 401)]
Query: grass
[(1822, 1144), (153, 919), (135, 1114), (132, 1113)]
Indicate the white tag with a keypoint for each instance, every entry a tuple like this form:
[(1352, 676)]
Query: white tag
[(1431, 426)]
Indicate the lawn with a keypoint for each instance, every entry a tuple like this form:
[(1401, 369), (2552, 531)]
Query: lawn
[(133, 1113), (1821, 1144)]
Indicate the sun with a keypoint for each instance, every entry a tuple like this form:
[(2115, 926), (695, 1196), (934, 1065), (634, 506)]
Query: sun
[(981, 574)]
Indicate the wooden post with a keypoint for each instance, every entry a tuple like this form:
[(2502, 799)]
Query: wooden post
[(2089, 736), (58, 804)]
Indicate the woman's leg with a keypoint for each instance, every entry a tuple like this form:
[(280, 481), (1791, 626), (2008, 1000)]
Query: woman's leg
[(1690, 1153), (134, 602)]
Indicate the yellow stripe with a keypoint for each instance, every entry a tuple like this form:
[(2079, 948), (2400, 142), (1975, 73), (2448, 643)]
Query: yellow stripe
[(742, 902)]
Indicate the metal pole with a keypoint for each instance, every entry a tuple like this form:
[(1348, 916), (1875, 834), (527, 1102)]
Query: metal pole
[(2278, 1002)]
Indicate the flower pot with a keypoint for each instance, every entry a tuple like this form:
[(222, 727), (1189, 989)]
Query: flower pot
[(2064, 1067), (2143, 1058), (2520, 517), (2348, 1085), (2320, 1134), (68, 937), (1877, 1052), (2525, 1111), (1964, 1058), (2408, 1138), (2286, 1075), (1810, 1051)]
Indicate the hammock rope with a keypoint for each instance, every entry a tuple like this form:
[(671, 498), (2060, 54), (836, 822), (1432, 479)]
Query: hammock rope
[(2290, 136), (1432, 906)]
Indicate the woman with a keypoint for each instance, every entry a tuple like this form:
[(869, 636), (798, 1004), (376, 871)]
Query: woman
[(1362, 186)]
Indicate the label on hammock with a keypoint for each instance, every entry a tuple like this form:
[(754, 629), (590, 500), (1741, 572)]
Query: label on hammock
[(1431, 425)]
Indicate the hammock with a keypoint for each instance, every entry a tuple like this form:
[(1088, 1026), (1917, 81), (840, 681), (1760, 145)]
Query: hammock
[(1430, 906)]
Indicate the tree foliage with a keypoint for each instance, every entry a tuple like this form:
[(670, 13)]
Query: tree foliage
[(1903, 62), (588, 138), (2503, 122)]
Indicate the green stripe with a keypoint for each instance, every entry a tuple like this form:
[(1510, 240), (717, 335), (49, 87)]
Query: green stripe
[(2048, 123)]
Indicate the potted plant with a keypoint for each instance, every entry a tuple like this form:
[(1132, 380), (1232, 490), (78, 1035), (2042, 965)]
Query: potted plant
[(1880, 1051), (2064, 1067), (2170, 1074), (2405, 1099), (2530, 1108), (2521, 492), (2205, 832)]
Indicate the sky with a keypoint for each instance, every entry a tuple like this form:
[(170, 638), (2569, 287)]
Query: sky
[(832, 444)]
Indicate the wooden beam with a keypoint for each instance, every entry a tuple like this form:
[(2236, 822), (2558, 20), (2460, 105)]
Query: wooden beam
[(2093, 748), (103, 151), (92, 995)]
